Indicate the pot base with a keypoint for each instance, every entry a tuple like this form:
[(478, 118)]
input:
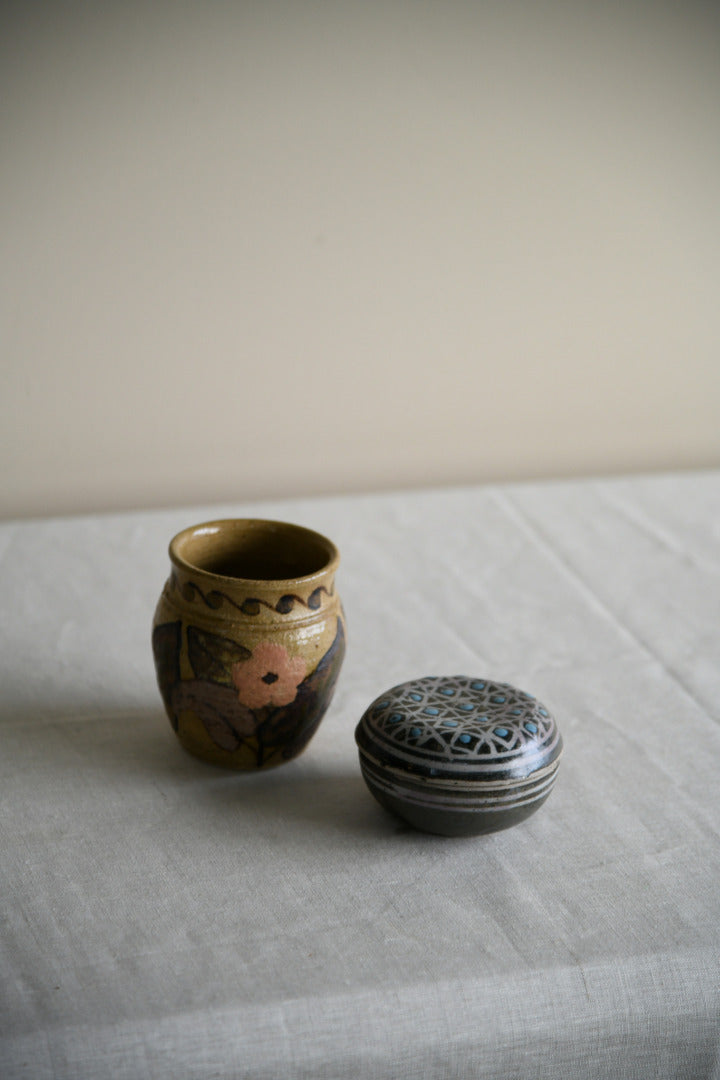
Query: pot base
[(451, 822)]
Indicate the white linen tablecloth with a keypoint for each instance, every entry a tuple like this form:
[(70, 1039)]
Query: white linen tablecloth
[(163, 918)]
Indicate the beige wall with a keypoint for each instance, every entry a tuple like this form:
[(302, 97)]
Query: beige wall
[(256, 248)]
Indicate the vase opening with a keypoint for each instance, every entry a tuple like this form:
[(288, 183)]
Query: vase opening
[(253, 550)]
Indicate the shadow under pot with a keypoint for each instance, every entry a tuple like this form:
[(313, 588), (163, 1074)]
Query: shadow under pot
[(248, 639)]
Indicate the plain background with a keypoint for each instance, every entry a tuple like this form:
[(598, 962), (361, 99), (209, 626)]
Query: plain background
[(264, 249)]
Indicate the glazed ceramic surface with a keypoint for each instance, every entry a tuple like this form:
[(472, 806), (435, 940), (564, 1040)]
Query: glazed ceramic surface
[(248, 640), (459, 756)]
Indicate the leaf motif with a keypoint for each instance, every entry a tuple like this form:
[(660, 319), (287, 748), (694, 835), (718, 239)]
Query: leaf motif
[(166, 639), (226, 721), (212, 657), (321, 684), (220, 732)]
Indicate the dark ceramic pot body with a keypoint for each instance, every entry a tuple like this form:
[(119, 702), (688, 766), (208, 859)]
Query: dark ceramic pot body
[(248, 640), (458, 756)]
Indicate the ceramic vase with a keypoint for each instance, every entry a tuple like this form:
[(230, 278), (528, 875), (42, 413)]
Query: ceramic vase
[(248, 640)]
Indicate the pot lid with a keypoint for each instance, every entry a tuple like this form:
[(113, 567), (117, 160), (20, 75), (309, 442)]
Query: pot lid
[(459, 728)]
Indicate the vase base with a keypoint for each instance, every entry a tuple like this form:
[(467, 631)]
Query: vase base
[(249, 757)]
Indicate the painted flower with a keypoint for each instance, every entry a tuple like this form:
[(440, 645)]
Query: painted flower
[(270, 677)]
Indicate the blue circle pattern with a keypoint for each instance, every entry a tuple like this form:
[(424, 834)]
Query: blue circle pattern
[(460, 718)]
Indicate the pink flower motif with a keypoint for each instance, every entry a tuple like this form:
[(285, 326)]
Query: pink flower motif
[(270, 677)]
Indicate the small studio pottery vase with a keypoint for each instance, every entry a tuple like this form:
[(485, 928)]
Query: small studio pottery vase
[(248, 639)]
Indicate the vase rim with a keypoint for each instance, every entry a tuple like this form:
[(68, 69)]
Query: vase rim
[(310, 555)]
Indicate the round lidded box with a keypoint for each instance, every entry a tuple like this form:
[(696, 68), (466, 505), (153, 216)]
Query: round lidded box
[(458, 756)]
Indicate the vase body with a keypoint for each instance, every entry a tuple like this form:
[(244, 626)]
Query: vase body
[(248, 640)]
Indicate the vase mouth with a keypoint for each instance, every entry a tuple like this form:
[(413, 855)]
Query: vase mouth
[(254, 550)]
